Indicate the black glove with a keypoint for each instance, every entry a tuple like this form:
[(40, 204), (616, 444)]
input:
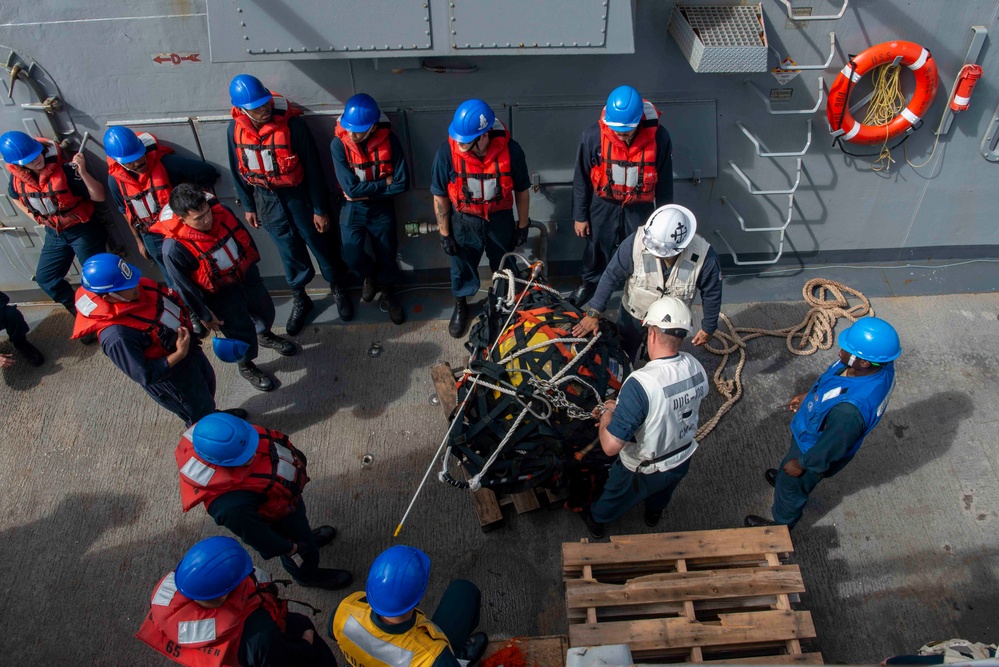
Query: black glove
[(449, 245), (520, 235)]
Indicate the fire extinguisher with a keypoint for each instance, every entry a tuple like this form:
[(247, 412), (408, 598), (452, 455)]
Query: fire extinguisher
[(966, 80)]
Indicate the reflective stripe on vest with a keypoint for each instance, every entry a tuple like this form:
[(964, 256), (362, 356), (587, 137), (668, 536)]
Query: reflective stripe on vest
[(286, 466), (198, 472), (85, 305), (380, 650), (648, 281), (196, 632), (227, 256), (165, 591)]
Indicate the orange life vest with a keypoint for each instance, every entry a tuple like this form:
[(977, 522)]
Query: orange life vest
[(372, 160), (145, 194), (194, 636), (627, 173), (277, 470), (47, 194), (264, 154), (483, 185), (158, 313), (225, 253)]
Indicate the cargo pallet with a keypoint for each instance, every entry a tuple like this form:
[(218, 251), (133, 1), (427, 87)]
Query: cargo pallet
[(715, 596), (487, 503)]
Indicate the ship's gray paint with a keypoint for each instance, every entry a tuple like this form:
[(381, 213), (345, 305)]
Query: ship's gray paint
[(100, 55)]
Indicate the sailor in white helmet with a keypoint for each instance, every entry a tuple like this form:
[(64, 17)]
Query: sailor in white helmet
[(664, 258), (652, 424)]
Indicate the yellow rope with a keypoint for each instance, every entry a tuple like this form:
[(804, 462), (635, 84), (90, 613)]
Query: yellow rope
[(888, 102), (828, 302)]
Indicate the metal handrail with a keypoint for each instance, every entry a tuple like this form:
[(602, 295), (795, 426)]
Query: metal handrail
[(763, 151), (742, 221), (826, 17), (832, 52), (766, 100), (738, 262), (754, 191)]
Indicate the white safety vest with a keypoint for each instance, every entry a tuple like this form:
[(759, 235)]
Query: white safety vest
[(648, 282), (674, 388)]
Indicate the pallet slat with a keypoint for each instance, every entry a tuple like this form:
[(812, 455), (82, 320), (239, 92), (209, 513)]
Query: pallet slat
[(673, 546), (671, 633), (799, 659), (680, 586)]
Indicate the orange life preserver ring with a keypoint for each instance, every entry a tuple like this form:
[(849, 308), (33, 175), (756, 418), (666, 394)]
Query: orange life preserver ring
[(913, 56)]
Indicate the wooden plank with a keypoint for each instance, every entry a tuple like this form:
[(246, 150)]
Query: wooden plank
[(672, 546), (486, 508), (526, 501), (793, 645), (688, 611), (670, 633), (591, 612), (800, 659), (680, 586), (447, 392)]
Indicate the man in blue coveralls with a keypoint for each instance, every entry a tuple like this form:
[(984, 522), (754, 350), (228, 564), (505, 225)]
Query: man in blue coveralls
[(841, 408), (279, 181), (480, 172), (371, 169)]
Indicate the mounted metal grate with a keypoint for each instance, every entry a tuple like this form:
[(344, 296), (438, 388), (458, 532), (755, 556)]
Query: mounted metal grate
[(721, 39)]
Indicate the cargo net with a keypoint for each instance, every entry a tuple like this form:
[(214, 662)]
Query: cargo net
[(525, 401)]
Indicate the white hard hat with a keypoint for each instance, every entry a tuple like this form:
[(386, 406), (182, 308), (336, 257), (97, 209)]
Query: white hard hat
[(669, 313), (669, 230)]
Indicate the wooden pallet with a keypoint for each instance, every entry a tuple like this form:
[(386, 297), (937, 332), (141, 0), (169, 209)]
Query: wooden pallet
[(711, 596), (547, 651), (487, 503)]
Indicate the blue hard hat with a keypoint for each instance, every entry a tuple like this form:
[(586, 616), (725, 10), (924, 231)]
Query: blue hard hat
[(397, 580), (122, 145), (106, 272), (360, 113), (472, 119), (871, 339), (19, 148), (246, 92), (212, 568), (624, 109), (224, 440), (229, 350)]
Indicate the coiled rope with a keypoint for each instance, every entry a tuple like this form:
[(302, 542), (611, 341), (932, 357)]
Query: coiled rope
[(829, 302), (888, 102)]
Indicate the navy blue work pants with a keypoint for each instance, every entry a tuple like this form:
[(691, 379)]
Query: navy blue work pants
[(457, 614), (189, 392), (474, 236), (12, 320), (610, 223), (791, 493), (295, 528), (246, 310), (625, 489), (360, 222), (288, 218), (154, 246), (58, 250)]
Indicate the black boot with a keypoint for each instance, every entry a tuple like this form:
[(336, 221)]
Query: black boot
[(473, 649), (272, 341), (324, 535), (771, 477), (368, 290), (327, 579), (257, 377), (31, 353), (458, 318), (343, 303), (395, 311), (582, 294), (597, 530), (239, 413), (301, 305), (753, 521)]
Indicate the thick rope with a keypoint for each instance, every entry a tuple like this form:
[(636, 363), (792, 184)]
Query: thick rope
[(828, 302), (888, 102)]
